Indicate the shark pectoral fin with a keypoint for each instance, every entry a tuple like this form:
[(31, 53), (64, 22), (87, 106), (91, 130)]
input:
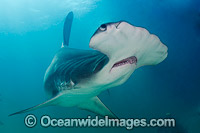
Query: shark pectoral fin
[(47, 103), (96, 106)]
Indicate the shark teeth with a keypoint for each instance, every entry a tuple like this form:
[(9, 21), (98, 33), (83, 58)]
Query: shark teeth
[(129, 60)]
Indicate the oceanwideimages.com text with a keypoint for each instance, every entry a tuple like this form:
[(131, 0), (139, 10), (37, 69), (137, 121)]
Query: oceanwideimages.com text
[(47, 121)]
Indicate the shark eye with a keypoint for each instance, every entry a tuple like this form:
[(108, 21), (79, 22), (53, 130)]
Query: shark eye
[(103, 27)]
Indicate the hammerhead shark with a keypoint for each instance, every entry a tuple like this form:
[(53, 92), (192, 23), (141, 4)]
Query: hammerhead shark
[(76, 77)]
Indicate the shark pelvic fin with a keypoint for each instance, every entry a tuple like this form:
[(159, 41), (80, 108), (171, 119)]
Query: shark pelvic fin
[(96, 106)]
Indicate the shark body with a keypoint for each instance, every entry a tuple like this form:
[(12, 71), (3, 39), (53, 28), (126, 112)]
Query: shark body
[(76, 77)]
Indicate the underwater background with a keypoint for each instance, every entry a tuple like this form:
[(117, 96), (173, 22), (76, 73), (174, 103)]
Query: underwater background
[(31, 34)]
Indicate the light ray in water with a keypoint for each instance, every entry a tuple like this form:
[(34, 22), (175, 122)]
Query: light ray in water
[(15, 15)]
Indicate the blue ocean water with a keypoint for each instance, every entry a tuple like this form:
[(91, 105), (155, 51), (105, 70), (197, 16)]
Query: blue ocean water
[(31, 34)]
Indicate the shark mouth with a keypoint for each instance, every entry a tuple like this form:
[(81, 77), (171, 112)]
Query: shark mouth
[(129, 60)]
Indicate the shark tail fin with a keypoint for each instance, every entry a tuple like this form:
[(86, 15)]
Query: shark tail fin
[(96, 106), (44, 104), (67, 28)]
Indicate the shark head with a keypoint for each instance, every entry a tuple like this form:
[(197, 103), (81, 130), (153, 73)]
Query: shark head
[(128, 47)]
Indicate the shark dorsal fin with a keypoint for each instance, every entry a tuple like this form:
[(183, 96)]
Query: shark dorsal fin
[(67, 29)]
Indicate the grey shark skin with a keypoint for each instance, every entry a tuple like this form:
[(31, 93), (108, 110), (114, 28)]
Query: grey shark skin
[(75, 77)]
